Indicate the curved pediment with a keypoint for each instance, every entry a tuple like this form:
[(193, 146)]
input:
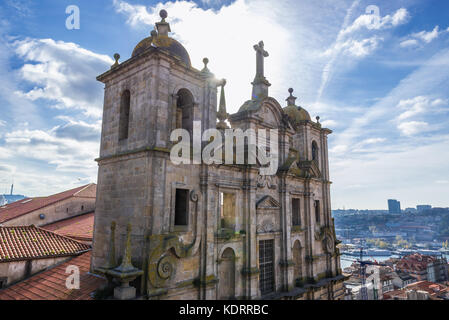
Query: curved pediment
[(268, 110)]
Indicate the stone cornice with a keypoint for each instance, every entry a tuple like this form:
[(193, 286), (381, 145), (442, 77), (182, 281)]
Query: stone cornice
[(142, 58)]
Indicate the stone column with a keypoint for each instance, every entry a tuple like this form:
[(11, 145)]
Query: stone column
[(286, 250), (309, 233), (250, 270)]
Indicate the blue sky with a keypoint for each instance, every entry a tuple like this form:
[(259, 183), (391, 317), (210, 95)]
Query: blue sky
[(380, 85)]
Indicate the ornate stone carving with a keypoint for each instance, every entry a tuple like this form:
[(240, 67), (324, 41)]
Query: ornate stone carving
[(162, 260), (267, 181), (165, 267), (327, 238), (266, 226), (193, 196)]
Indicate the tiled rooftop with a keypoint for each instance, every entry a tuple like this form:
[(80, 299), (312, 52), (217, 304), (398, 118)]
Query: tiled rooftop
[(51, 284), (416, 262), (428, 286), (24, 206), (80, 227), (30, 242)]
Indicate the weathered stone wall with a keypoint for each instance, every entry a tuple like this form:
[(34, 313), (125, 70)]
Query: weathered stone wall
[(16, 271), (71, 207)]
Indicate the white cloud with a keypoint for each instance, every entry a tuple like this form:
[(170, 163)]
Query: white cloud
[(368, 21), (427, 36), (423, 37), (329, 123), (348, 42), (79, 130), (400, 17), (409, 43), (137, 14), (339, 149), (62, 72), (419, 105), (64, 153), (355, 48), (372, 141), (413, 127)]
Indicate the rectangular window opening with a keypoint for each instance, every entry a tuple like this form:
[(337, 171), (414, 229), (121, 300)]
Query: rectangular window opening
[(266, 266), (296, 212), (227, 210), (181, 207), (317, 211)]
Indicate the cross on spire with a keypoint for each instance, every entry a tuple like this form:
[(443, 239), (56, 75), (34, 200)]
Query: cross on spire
[(260, 55), (260, 84)]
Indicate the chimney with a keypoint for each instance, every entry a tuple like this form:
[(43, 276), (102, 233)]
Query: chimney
[(12, 188)]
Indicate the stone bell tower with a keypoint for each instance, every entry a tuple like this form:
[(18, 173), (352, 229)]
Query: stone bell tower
[(146, 97)]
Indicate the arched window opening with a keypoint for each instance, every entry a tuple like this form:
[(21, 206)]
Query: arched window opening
[(124, 115), (184, 110), (226, 285), (314, 151), (296, 212), (297, 260)]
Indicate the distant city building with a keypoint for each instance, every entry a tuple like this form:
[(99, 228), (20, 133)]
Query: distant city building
[(423, 207), (10, 198), (394, 206), (410, 210)]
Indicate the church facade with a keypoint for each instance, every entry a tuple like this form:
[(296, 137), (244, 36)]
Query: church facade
[(218, 231)]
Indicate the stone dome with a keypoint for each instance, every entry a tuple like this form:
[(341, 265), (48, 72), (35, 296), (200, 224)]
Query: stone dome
[(164, 43), (297, 114), (160, 39)]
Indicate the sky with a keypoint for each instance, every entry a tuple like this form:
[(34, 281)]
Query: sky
[(376, 72)]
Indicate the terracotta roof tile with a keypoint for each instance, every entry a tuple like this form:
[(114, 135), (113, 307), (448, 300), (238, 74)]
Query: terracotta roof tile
[(30, 242), (79, 227), (49, 285), (24, 206)]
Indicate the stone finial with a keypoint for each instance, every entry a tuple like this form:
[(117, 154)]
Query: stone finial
[(163, 14), (126, 272), (205, 61), (163, 28), (222, 115), (126, 262), (291, 99), (317, 119), (116, 63), (206, 74), (153, 33), (260, 84)]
